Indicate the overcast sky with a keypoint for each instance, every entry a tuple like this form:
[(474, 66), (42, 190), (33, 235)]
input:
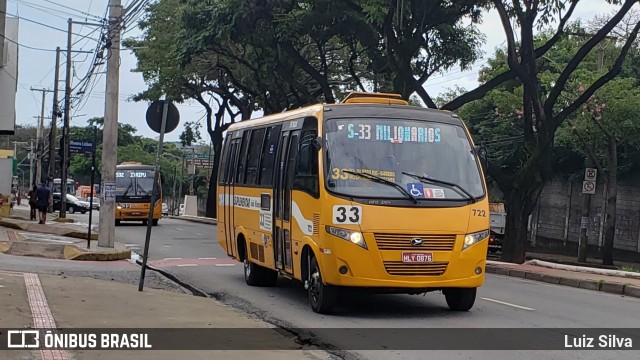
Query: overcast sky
[(36, 66)]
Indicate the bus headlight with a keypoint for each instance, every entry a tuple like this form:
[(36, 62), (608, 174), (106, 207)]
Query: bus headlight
[(349, 235), (119, 207), (471, 239)]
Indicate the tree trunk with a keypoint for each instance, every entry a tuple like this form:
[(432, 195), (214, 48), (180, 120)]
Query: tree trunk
[(515, 236), (212, 193), (612, 200)]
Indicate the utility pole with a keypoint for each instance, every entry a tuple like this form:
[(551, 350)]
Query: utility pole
[(54, 120), (65, 129), (106, 236), (31, 164), (39, 142), (3, 16), (181, 181), (193, 166)]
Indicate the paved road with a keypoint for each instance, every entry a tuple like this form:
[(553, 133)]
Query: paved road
[(190, 251)]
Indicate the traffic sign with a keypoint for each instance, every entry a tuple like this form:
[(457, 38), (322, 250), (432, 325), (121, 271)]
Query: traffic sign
[(197, 156), (154, 117), (590, 174), (202, 163), (589, 187)]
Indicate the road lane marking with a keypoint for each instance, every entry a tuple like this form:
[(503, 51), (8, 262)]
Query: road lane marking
[(179, 229), (180, 265), (198, 234), (508, 304), (206, 258), (225, 264), (172, 259)]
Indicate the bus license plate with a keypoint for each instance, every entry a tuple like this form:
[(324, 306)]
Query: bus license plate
[(417, 257), (136, 213)]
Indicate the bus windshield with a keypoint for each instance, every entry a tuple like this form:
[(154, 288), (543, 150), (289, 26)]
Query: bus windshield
[(134, 183), (431, 161)]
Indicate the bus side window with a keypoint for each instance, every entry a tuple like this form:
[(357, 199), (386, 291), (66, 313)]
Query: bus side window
[(253, 155), (306, 174), (240, 173), (223, 161), (268, 161)]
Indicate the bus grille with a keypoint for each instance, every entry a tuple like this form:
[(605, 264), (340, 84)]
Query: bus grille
[(403, 242), (415, 269)]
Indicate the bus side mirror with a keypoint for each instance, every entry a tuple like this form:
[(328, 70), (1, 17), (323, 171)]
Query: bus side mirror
[(317, 143), (481, 151)]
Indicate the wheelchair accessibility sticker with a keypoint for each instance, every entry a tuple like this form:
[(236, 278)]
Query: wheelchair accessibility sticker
[(417, 190)]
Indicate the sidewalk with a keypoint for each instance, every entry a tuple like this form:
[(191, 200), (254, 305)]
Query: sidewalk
[(579, 277), (40, 301), (20, 236), (196, 219)]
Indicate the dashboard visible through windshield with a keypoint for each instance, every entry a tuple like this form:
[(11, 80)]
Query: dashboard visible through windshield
[(428, 160)]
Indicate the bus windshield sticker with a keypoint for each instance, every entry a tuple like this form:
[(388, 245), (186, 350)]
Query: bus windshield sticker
[(416, 189), (434, 193), (395, 134)]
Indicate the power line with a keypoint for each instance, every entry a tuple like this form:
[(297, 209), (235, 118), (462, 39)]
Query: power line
[(42, 24), (76, 10), (26, 46)]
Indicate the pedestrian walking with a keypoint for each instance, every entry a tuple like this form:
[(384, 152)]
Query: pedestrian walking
[(32, 202), (43, 200), (18, 197)]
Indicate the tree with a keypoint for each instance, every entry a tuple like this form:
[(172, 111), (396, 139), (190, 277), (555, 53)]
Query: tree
[(543, 109), (604, 130)]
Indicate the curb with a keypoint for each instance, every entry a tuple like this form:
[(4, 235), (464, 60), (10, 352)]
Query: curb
[(584, 269), (72, 252), (60, 251), (196, 219), (76, 234), (194, 290), (611, 287)]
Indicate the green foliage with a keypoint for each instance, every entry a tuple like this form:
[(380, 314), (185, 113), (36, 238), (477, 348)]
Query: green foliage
[(191, 133)]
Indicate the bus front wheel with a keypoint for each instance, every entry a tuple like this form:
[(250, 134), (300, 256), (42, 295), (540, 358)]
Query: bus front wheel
[(321, 297), (155, 222), (460, 299), (256, 275)]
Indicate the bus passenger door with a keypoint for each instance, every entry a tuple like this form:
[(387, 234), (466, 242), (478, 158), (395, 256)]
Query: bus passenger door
[(288, 151), (228, 193)]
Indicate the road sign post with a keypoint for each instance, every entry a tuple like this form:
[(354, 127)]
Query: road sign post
[(166, 122), (589, 183)]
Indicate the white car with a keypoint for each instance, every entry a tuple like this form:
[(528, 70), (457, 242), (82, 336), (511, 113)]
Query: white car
[(165, 209), (181, 212)]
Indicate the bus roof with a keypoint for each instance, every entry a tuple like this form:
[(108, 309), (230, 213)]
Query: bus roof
[(358, 105)]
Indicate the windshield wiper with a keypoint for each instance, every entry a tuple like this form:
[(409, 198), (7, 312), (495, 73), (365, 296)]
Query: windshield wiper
[(442, 182), (381, 180)]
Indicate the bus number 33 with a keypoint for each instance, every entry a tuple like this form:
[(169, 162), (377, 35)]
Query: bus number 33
[(347, 214)]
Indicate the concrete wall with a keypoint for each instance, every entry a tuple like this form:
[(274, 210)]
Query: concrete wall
[(558, 214), (9, 78)]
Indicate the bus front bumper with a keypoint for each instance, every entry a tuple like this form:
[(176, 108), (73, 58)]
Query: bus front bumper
[(385, 269)]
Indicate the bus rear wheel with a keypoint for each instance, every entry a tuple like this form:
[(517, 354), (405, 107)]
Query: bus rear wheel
[(117, 222), (155, 222), (322, 298), (256, 275), (460, 299)]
